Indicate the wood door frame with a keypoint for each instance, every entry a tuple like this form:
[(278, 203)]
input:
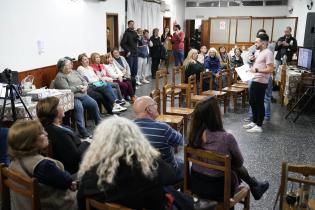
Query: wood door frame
[(116, 28), (167, 20)]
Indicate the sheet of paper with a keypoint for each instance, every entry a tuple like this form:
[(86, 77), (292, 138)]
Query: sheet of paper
[(244, 73)]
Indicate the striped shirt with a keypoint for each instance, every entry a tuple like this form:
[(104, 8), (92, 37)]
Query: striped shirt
[(162, 137)]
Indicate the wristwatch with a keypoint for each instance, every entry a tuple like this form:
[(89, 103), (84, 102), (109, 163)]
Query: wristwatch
[(256, 70)]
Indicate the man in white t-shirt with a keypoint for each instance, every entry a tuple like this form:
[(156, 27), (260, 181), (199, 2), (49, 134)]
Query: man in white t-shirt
[(262, 69)]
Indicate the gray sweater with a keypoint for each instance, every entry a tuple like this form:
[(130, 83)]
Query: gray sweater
[(71, 81)]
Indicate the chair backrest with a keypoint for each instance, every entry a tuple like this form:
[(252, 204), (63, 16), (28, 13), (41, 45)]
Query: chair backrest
[(14, 181), (202, 158), (178, 70), (160, 74), (93, 204), (156, 96), (192, 81), (235, 75), (168, 90), (226, 73), (205, 76), (287, 172)]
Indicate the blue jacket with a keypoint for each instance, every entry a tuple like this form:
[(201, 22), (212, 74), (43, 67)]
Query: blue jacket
[(213, 64), (143, 48)]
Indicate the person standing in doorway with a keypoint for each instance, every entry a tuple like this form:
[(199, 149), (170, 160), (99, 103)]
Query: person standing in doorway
[(167, 43), (178, 45), (129, 44), (262, 68), (155, 51)]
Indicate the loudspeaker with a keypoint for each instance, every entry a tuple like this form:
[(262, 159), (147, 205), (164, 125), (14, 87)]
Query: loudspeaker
[(309, 36)]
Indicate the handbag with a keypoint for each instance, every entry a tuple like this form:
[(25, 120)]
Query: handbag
[(99, 84)]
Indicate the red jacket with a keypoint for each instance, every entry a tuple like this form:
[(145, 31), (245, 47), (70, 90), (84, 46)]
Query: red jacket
[(178, 41)]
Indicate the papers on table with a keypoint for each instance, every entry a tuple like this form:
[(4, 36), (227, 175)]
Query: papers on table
[(244, 73)]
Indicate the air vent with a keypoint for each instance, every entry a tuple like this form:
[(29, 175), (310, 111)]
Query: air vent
[(253, 3), (191, 4), (209, 4)]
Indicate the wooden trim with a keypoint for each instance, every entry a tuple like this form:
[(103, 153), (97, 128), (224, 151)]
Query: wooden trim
[(273, 23), (250, 29)]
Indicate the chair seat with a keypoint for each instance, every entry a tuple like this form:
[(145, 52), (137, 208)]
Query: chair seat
[(213, 93), (181, 85), (177, 91), (240, 85), (179, 111), (198, 97), (233, 89), (173, 119)]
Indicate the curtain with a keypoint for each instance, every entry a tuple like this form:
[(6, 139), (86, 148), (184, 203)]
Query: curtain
[(147, 15)]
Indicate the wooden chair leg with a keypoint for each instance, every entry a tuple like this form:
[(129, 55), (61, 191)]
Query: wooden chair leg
[(234, 98), (225, 102), (247, 202)]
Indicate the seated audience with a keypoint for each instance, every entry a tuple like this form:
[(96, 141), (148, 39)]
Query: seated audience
[(207, 133), (100, 71), (64, 144), (66, 78), (192, 66), (121, 63), (160, 135), (224, 58), (26, 139), (143, 56), (99, 86), (236, 59), (4, 146), (118, 76), (122, 167), (212, 63), (202, 54)]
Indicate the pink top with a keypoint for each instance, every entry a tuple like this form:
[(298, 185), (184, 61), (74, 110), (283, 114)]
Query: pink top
[(264, 58), (178, 41)]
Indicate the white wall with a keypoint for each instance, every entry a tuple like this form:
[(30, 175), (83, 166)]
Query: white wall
[(66, 28), (300, 10), (206, 12), (177, 11)]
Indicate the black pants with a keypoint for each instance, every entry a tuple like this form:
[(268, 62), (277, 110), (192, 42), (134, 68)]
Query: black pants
[(101, 96), (155, 66), (256, 101)]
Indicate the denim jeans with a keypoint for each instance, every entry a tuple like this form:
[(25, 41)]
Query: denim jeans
[(133, 64), (4, 158), (81, 103), (179, 57), (267, 100)]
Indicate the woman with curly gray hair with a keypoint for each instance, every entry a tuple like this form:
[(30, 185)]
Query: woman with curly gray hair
[(122, 167)]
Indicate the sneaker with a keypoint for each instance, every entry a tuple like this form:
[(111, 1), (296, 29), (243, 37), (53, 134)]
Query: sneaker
[(250, 125), (256, 129), (85, 135), (145, 81), (120, 102), (118, 108), (259, 188), (247, 119), (138, 83)]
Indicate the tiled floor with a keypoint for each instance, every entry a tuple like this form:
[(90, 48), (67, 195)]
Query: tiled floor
[(263, 153)]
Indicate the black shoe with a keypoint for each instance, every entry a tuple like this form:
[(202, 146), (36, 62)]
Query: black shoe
[(85, 135), (202, 204), (258, 188)]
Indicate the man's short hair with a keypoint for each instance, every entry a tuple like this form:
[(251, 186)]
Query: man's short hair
[(289, 27), (177, 26), (263, 37), (261, 31), (130, 21)]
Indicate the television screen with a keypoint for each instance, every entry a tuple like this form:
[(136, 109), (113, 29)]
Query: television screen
[(305, 58)]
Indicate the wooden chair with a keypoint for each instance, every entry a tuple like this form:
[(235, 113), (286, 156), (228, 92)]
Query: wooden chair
[(93, 204), (176, 122), (192, 97), (302, 170), (162, 75), (235, 92), (222, 96), (14, 181), (172, 110), (202, 158), (178, 71)]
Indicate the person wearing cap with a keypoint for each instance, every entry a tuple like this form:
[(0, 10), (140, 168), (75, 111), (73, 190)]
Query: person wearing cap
[(66, 78)]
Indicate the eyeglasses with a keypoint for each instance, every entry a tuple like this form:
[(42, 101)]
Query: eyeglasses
[(154, 104)]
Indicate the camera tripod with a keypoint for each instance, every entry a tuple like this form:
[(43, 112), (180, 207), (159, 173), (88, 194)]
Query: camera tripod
[(9, 95)]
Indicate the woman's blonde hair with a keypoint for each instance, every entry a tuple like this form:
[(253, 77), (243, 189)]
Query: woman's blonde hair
[(215, 50), (105, 57), (93, 57), (22, 138), (189, 58), (118, 139)]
